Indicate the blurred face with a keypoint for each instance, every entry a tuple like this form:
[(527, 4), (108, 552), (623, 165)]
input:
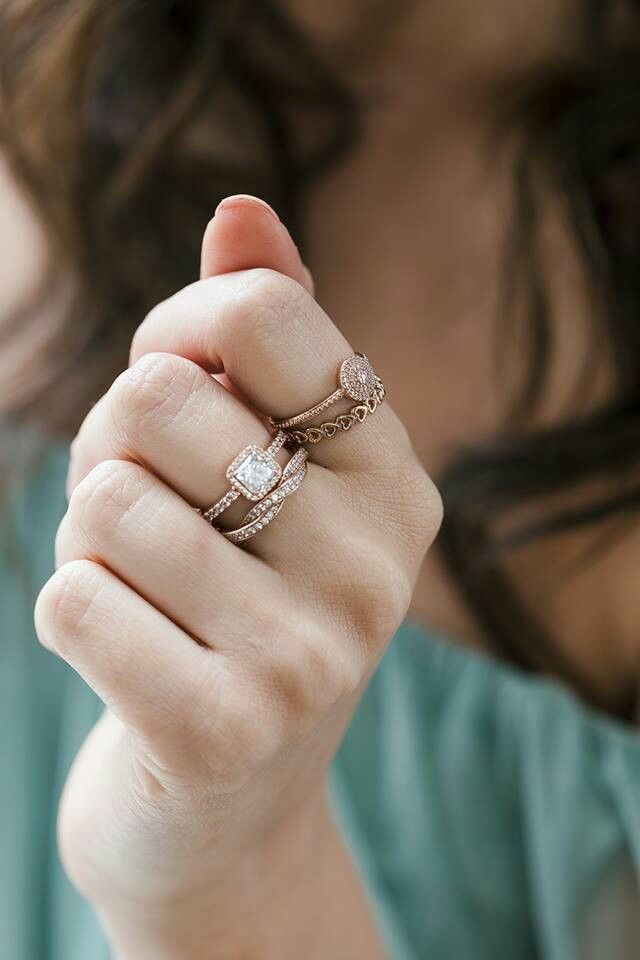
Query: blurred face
[(407, 236), (408, 240)]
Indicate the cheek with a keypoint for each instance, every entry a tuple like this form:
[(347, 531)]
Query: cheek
[(422, 295), (23, 257)]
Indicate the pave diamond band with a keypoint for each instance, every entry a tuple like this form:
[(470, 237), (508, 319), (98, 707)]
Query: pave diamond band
[(253, 474), (292, 477), (357, 381), (343, 422)]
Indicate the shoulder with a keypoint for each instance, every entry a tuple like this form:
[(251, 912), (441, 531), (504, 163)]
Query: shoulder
[(465, 776)]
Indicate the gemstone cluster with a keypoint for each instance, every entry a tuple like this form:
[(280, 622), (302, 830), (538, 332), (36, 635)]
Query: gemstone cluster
[(254, 472), (357, 378)]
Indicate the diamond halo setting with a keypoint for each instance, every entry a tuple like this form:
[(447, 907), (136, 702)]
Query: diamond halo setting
[(254, 472)]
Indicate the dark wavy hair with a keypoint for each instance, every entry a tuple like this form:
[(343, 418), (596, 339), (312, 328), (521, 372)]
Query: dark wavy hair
[(126, 122)]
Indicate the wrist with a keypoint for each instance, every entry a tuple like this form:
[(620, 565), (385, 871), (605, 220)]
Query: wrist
[(269, 903)]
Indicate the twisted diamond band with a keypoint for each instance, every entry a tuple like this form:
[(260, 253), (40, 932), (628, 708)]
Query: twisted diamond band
[(268, 509)]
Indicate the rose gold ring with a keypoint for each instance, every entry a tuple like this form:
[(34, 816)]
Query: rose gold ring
[(270, 506), (357, 381), (253, 474), (343, 422)]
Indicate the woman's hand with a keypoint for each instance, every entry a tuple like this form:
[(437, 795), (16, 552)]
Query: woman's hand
[(229, 673)]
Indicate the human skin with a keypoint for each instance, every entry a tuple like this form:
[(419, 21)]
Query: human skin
[(229, 673), (406, 240)]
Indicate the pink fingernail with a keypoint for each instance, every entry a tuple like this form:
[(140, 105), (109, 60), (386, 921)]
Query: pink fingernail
[(245, 199)]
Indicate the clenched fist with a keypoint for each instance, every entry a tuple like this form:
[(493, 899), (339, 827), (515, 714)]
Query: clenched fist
[(229, 671)]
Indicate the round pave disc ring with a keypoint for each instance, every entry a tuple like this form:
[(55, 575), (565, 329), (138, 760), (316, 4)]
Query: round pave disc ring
[(357, 381), (253, 474)]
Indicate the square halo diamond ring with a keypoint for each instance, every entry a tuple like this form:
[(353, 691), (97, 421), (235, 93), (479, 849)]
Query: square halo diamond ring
[(254, 472)]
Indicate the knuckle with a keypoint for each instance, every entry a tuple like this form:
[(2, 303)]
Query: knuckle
[(386, 596), (195, 725), (308, 676), (400, 500), (104, 498), (156, 315), (268, 303), (377, 593), (330, 671), (264, 705), (61, 543), (422, 506), (255, 736), (238, 734), (67, 606), (153, 393)]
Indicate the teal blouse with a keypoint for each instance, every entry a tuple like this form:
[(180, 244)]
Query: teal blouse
[(490, 814)]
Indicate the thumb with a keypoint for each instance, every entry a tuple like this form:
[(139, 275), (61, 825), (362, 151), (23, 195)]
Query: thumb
[(246, 232)]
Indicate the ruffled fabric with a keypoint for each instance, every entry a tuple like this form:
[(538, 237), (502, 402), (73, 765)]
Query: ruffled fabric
[(500, 817)]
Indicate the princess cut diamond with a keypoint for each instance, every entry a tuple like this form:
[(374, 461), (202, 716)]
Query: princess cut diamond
[(254, 472)]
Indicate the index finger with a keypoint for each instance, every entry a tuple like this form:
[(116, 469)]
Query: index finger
[(279, 348)]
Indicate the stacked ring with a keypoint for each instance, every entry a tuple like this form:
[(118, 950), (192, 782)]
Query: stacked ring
[(343, 422), (253, 474), (256, 474), (357, 381), (267, 509)]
